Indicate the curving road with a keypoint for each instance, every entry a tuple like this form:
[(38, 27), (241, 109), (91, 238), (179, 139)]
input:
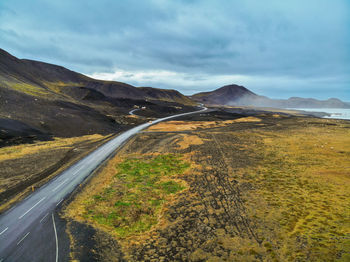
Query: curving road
[(132, 111), (29, 231)]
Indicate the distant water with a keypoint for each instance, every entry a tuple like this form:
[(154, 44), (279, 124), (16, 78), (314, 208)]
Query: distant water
[(338, 113)]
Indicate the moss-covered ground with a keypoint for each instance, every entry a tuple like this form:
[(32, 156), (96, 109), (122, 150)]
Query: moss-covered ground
[(131, 203)]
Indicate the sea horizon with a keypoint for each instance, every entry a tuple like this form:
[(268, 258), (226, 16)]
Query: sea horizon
[(335, 113)]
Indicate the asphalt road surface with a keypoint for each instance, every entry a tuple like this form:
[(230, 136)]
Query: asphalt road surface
[(30, 231), (132, 111)]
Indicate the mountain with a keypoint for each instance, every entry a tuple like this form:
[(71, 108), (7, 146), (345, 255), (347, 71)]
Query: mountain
[(47, 79), (38, 99), (298, 102), (224, 95), (235, 95), (165, 95)]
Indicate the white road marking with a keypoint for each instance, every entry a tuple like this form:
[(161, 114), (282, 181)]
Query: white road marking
[(23, 238), (59, 202), (53, 190), (32, 207), (78, 170), (3, 232), (108, 148), (54, 227), (43, 217)]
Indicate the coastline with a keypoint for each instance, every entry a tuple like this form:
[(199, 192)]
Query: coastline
[(333, 113)]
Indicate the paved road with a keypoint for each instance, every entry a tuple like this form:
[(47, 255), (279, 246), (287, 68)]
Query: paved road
[(29, 231), (132, 111)]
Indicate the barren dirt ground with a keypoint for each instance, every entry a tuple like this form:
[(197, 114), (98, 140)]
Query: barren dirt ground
[(265, 188)]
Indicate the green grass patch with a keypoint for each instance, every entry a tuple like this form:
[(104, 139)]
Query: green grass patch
[(171, 187), (132, 202)]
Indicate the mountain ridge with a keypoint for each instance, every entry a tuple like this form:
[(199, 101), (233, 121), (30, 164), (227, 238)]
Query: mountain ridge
[(40, 100), (235, 95), (51, 78), (57, 81)]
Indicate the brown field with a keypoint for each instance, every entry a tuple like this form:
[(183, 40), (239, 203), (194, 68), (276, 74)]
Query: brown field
[(273, 188), (25, 167), (193, 125)]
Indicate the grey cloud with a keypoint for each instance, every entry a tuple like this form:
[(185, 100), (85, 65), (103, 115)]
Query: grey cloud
[(292, 39)]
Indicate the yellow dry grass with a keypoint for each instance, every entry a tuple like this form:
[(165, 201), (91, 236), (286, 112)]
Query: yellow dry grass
[(132, 116), (188, 140), (302, 193), (193, 125), (12, 152), (276, 115)]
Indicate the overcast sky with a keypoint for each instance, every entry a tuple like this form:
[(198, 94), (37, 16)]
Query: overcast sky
[(277, 48)]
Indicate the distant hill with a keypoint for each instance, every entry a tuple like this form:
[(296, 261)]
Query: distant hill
[(236, 95), (41, 99), (224, 95), (298, 102)]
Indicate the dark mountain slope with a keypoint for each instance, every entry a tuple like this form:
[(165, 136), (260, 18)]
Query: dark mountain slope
[(35, 72), (54, 117), (50, 81), (235, 95), (224, 95), (165, 95), (45, 99)]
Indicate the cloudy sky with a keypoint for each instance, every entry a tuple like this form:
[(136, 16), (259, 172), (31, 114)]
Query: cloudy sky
[(275, 48)]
